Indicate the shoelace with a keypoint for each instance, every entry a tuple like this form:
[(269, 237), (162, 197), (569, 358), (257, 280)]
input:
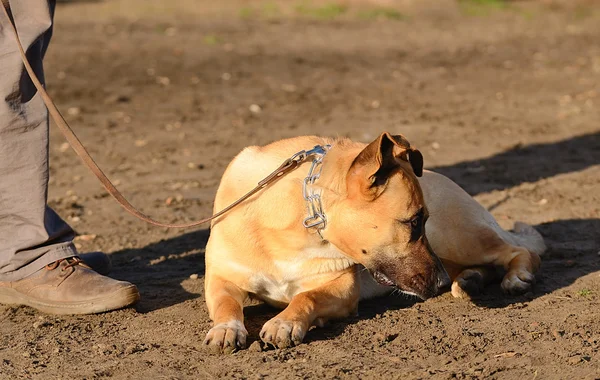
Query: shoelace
[(71, 262)]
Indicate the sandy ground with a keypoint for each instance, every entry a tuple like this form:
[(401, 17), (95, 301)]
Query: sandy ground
[(505, 101)]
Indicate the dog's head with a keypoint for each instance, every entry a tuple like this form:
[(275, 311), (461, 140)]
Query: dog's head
[(381, 222)]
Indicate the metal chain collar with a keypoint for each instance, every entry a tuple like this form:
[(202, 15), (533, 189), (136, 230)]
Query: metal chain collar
[(316, 216)]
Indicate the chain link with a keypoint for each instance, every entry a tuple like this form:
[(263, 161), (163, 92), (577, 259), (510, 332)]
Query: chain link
[(316, 216)]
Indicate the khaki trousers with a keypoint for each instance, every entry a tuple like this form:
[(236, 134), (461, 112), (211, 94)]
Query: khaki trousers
[(31, 234)]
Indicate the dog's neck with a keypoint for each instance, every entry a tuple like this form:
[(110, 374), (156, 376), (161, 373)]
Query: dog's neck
[(336, 166)]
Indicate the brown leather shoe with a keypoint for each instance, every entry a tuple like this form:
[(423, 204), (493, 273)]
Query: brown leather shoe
[(69, 286)]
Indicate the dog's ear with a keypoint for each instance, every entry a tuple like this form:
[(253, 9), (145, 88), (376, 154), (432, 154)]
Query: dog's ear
[(405, 152), (414, 158), (371, 169)]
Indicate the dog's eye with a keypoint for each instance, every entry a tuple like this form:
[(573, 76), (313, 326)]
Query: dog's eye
[(415, 222), (416, 226)]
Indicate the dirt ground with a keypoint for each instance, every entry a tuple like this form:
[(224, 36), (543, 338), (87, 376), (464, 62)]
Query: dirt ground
[(505, 100)]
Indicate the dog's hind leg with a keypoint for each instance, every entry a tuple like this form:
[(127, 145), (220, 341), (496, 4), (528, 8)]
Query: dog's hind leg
[(521, 265), (225, 305), (336, 298)]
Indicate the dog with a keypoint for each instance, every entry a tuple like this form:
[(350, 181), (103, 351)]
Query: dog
[(370, 221)]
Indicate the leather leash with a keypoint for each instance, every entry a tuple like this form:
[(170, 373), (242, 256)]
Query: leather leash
[(288, 165)]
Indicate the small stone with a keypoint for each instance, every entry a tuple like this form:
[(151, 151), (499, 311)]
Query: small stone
[(64, 147), (73, 111), (574, 360), (288, 87), (194, 276), (89, 237), (164, 81), (226, 76), (40, 323), (255, 108), (557, 333), (375, 104), (140, 143), (435, 145), (170, 32), (255, 347), (542, 201)]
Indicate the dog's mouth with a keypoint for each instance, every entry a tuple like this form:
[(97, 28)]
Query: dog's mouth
[(382, 278)]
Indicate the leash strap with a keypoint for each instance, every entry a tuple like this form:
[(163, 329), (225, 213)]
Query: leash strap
[(286, 166)]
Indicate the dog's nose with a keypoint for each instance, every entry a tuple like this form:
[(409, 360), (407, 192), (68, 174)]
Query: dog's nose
[(443, 280)]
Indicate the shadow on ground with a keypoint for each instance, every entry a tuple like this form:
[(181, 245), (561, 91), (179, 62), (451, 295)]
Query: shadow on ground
[(506, 169), (159, 269)]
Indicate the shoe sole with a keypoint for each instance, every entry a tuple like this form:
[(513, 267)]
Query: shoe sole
[(119, 299)]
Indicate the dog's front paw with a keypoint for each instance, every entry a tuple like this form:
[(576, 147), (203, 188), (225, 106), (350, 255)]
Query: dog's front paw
[(282, 333), (226, 337), (468, 284), (518, 282)]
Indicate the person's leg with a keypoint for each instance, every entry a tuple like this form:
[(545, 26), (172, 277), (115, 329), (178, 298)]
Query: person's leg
[(37, 263), (31, 234)]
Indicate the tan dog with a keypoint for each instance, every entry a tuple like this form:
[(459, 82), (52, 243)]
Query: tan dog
[(375, 210)]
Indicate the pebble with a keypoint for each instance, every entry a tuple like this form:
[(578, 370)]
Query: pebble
[(89, 237), (165, 81), (255, 347), (574, 360), (194, 276), (38, 324), (73, 111), (288, 87), (255, 108)]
